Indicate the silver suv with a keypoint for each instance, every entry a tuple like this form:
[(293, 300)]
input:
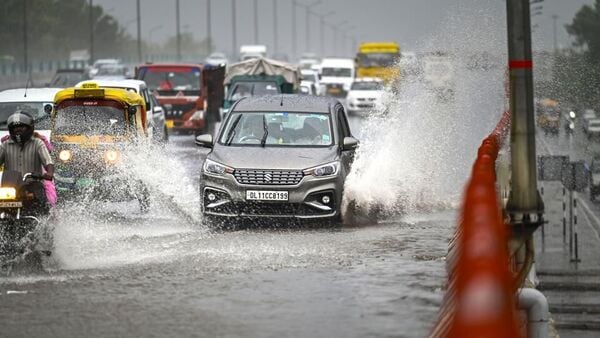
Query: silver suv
[(281, 156)]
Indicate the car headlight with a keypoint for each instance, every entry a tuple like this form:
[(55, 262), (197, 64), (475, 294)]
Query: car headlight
[(8, 193), (572, 114), (112, 156), (216, 168), (328, 169), (65, 155)]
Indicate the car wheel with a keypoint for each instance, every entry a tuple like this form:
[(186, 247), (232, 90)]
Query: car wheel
[(165, 134)]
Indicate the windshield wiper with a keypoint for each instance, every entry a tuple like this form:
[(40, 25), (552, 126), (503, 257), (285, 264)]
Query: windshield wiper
[(266, 129), (232, 130)]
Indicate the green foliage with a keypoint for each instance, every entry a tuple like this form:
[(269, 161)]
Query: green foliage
[(55, 28), (586, 29)]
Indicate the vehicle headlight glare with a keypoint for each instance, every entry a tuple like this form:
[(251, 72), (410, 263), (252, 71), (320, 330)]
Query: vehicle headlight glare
[(572, 114), (215, 168), (111, 156), (572, 125), (65, 155), (328, 169), (8, 193)]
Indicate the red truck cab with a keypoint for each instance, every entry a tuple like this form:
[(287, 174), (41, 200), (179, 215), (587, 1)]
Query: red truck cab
[(179, 88)]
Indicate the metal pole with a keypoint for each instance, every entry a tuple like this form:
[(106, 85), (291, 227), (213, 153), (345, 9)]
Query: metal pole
[(275, 37), (234, 30), (294, 54), (322, 36), (208, 28), (255, 22), (91, 31), (564, 205), (554, 18), (524, 199), (177, 22), (139, 31), (25, 42), (307, 28), (571, 202)]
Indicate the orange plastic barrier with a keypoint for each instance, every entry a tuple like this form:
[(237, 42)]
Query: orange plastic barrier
[(479, 301)]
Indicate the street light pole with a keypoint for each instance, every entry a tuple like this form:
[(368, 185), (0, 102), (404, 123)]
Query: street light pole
[(255, 22), (233, 30), (178, 30), (294, 54), (322, 38), (25, 42), (208, 27), (91, 31), (554, 18), (308, 6), (275, 26), (139, 31)]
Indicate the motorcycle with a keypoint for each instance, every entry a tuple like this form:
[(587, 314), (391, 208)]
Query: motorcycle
[(22, 204), (569, 123)]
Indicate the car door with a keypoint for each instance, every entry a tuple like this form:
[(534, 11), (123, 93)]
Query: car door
[(347, 156)]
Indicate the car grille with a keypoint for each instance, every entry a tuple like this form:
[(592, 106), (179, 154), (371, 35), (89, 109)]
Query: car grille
[(268, 177)]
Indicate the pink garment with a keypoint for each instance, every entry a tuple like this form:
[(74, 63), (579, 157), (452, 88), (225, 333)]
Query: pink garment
[(49, 186)]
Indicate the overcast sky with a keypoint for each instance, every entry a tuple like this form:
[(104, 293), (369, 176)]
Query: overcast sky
[(409, 22)]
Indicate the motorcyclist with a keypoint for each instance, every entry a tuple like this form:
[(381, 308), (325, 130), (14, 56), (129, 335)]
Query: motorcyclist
[(26, 154)]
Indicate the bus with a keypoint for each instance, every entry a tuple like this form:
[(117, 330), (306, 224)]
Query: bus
[(378, 59)]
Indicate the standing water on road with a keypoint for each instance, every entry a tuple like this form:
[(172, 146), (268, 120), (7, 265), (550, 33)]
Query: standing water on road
[(118, 272)]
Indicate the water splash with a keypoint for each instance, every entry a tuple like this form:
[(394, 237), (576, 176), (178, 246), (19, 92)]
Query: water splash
[(418, 149)]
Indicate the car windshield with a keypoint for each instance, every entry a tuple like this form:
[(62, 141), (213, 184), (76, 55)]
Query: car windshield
[(247, 89), (367, 85), (90, 120), (312, 77), (35, 109), (112, 70), (336, 72), (172, 79), (377, 59), (278, 129)]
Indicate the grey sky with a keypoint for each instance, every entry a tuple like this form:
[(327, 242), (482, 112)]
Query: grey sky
[(406, 21)]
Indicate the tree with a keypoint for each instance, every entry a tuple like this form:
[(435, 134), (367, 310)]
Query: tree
[(586, 29), (55, 28)]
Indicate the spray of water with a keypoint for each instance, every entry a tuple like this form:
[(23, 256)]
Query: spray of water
[(417, 150)]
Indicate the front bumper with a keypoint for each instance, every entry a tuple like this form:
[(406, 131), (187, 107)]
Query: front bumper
[(305, 199)]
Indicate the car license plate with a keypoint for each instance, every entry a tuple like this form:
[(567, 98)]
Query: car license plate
[(170, 123), (262, 195), (17, 204)]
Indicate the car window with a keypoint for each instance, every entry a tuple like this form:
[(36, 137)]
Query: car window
[(299, 129), (343, 126)]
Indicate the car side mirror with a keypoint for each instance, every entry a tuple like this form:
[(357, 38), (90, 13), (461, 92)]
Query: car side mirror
[(350, 143), (157, 110), (204, 140)]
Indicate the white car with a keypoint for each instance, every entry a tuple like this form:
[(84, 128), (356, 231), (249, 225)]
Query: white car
[(217, 59), (155, 114), (39, 103), (112, 72), (592, 128), (307, 88), (101, 63), (587, 115), (365, 95), (311, 75), (337, 74)]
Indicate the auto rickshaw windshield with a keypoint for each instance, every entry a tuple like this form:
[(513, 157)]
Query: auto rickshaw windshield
[(90, 120)]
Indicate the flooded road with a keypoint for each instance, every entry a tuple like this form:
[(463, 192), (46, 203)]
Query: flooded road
[(118, 274)]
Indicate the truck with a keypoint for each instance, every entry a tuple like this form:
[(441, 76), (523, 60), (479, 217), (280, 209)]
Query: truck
[(378, 59), (248, 52), (259, 76), (337, 75), (191, 94)]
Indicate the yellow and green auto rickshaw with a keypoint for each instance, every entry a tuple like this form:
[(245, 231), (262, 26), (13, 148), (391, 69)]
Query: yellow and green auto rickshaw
[(92, 129)]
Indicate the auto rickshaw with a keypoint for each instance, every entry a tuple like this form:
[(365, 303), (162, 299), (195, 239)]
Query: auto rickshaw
[(92, 128)]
